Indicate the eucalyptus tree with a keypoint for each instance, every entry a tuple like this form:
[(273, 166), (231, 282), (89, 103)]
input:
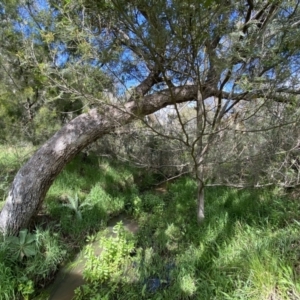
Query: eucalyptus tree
[(24, 110), (218, 55), (10, 106)]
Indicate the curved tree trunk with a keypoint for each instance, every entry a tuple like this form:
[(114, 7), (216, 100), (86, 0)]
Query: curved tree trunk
[(33, 180)]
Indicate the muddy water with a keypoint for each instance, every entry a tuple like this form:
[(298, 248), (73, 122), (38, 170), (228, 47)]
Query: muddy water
[(69, 278)]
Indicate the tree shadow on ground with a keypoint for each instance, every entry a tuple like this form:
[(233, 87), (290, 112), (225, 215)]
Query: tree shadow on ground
[(228, 213), (170, 236)]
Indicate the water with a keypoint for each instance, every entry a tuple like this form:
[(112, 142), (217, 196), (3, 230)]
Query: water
[(69, 278)]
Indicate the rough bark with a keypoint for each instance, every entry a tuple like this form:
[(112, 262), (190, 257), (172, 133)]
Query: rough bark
[(199, 159), (200, 202), (33, 180)]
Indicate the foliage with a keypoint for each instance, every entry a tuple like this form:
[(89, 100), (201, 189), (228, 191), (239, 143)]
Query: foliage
[(8, 282), (218, 83), (173, 259), (26, 288), (101, 50), (240, 71), (101, 189), (28, 260), (110, 263), (108, 267), (170, 257), (76, 207), (11, 159), (51, 252), (22, 246)]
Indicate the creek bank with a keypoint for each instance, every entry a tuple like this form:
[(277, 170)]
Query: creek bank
[(70, 277)]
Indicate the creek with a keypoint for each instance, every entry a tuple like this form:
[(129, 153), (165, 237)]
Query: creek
[(71, 277)]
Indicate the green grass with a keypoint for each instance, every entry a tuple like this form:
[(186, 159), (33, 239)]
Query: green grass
[(247, 248), (11, 159), (103, 190)]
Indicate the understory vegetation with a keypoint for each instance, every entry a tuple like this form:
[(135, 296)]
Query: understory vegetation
[(247, 247)]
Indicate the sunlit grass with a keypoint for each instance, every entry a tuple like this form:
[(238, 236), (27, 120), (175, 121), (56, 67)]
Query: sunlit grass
[(103, 189), (246, 248), (11, 159)]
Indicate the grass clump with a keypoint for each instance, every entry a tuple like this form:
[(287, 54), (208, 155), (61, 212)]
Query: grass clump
[(27, 261)]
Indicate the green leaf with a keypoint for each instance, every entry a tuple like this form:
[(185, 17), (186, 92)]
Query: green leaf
[(22, 236), (13, 240), (30, 250), (30, 238)]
